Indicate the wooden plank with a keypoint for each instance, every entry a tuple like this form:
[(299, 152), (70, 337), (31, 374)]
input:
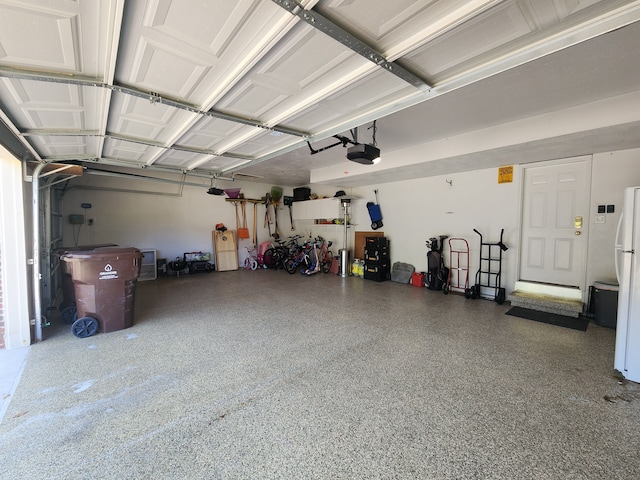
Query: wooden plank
[(360, 239), (68, 169), (225, 250), (226, 261), (243, 200)]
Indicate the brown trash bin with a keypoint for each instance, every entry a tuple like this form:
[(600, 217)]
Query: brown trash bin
[(66, 283), (104, 281)]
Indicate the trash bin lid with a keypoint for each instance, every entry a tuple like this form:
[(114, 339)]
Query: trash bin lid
[(612, 287), (80, 248), (102, 253)]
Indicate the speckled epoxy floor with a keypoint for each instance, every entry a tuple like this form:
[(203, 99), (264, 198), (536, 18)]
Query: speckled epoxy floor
[(266, 375)]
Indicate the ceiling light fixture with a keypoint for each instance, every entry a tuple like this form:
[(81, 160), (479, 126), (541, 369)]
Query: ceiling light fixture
[(365, 153)]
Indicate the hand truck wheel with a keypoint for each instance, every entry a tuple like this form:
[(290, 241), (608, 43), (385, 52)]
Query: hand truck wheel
[(500, 296), (467, 293), (84, 327), (445, 288)]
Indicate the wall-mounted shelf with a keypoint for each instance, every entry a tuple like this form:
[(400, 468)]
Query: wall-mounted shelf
[(244, 200), (316, 209)]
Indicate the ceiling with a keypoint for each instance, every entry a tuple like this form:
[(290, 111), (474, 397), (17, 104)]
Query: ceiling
[(236, 88)]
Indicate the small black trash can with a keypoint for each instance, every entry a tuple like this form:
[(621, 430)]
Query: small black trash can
[(606, 304)]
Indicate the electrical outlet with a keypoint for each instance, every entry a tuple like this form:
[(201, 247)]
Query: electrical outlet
[(600, 219), (611, 208), (602, 209), (90, 222)]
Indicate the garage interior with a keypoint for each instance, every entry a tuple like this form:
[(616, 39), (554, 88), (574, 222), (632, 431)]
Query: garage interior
[(123, 115)]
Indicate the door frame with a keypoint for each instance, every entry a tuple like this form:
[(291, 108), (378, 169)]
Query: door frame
[(14, 278), (562, 161)]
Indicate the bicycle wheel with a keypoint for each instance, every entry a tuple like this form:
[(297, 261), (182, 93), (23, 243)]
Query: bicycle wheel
[(290, 266), (254, 264), (274, 258), (270, 258), (282, 255), (327, 261)]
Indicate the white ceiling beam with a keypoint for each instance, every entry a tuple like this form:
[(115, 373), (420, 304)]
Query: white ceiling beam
[(431, 31), (582, 29), (579, 30), (326, 26), (113, 30)]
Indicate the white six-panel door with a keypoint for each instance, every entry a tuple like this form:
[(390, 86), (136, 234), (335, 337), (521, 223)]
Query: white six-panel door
[(555, 222)]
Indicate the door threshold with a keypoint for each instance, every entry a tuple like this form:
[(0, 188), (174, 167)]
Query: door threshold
[(572, 293)]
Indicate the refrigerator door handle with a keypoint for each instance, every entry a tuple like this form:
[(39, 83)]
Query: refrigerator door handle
[(618, 248)]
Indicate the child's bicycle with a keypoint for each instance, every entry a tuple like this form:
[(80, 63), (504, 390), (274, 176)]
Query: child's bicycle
[(298, 256), (251, 262)]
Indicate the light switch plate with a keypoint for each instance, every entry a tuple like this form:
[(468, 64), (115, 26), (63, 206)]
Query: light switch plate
[(599, 219)]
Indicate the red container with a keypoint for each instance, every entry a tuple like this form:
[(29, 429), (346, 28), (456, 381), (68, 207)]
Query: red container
[(335, 265), (417, 279)]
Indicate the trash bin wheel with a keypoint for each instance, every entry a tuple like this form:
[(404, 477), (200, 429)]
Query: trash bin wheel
[(68, 315), (445, 288), (84, 327)]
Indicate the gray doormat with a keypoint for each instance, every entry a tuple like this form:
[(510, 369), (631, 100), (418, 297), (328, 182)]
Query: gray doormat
[(550, 318)]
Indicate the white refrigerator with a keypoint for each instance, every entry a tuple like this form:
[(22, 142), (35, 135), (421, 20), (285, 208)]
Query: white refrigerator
[(627, 356)]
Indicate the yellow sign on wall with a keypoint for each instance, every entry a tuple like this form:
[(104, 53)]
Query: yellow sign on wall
[(505, 174)]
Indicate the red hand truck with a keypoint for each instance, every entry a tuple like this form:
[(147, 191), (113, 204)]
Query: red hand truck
[(458, 280)]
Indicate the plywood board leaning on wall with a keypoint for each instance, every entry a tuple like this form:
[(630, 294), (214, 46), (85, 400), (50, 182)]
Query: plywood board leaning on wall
[(360, 239), (225, 250)]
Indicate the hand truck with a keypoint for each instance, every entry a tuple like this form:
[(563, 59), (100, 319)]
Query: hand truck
[(374, 213), (490, 268), (458, 263)]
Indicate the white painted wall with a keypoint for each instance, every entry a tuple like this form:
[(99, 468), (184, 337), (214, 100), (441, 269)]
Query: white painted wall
[(416, 210), (612, 173), (413, 211), (173, 224)]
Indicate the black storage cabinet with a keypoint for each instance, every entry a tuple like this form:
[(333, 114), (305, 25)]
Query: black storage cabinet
[(377, 266)]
